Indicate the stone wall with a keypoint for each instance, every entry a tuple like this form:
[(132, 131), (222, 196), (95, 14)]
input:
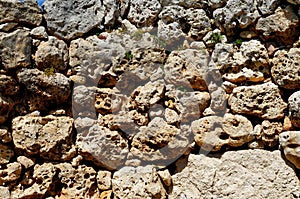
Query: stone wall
[(174, 99)]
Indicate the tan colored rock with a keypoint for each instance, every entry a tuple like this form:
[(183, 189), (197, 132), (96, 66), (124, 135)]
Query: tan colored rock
[(6, 153), (104, 180), (282, 25), (11, 173), (77, 183), (8, 85), (285, 70), (287, 124), (213, 132), (229, 175), (102, 146), (106, 194), (15, 49), (140, 182), (26, 12), (294, 109), (165, 176), (262, 100), (43, 176), (297, 2), (6, 104), (187, 69), (159, 142), (39, 33), (25, 162), (5, 135), (290, 143), (50, 136), (4, 193), (52, 54)]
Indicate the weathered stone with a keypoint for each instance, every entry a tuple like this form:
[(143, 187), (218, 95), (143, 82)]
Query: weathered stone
[(39, 33), (112, 12), (5, 135), (283, 26), (45, 88), (250, 63), (159, 143), (8, 27), (294, 2), (187, 69), (8, 85), (25, 162), (166, 177), (69, 20), (140, 182), (143, 13), (52, 54), (50, 136), (102, 146), (213, 132), (44, 181), (285, 70), (290, 143), (267, 7), (15, 49), (11, 173), (236, 14), (4, 193), (228, 176), (262, 100), (104, 180), (77, 183), (6, 104), (169, 31), (294, 108), (26, 12), (6, 153), (214, 4), (185, 3)]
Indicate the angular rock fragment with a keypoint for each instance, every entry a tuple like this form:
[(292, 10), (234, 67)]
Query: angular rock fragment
[(294, 108), (50, 136), (285, 70), (290, 143), (262, 100), (72, 19), (39, 33), (143, 12), (229, 174), (6, 153), (140, 182), (26, 12), (52, 54), (213, 132), (11, 173), (5, 135), (15, 49), (104, 180), (8, 85), (283, 26)]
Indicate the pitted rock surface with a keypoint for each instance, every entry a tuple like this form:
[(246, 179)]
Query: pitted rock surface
[(290, 142), (72, 19), (285, 70), (263, 100), (294, 108), (49, 136)]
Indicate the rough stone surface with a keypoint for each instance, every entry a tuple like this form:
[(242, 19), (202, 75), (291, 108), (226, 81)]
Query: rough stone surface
[(290, 143), (102, 146), (294, 1), (25, 162), (140, 182), (104, 180), (283, 26), (143, 12), (6, 106), (52, 54), (5, 135), (11, 173), (285, 70), (26, 12), (4, 193), (46, 88), (236, 14), (50, 136), (262, 100), (294, 108), (77, 183), (72, 19), (236, 174), (43, 182), (214, 132), (15, 49), (8, 85), (6, 154), (39, 33)]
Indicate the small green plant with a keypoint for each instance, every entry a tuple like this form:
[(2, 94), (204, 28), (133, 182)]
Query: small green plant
[(128, 55), (216, 37), (49, 71), (238, 41), (182, 88)]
